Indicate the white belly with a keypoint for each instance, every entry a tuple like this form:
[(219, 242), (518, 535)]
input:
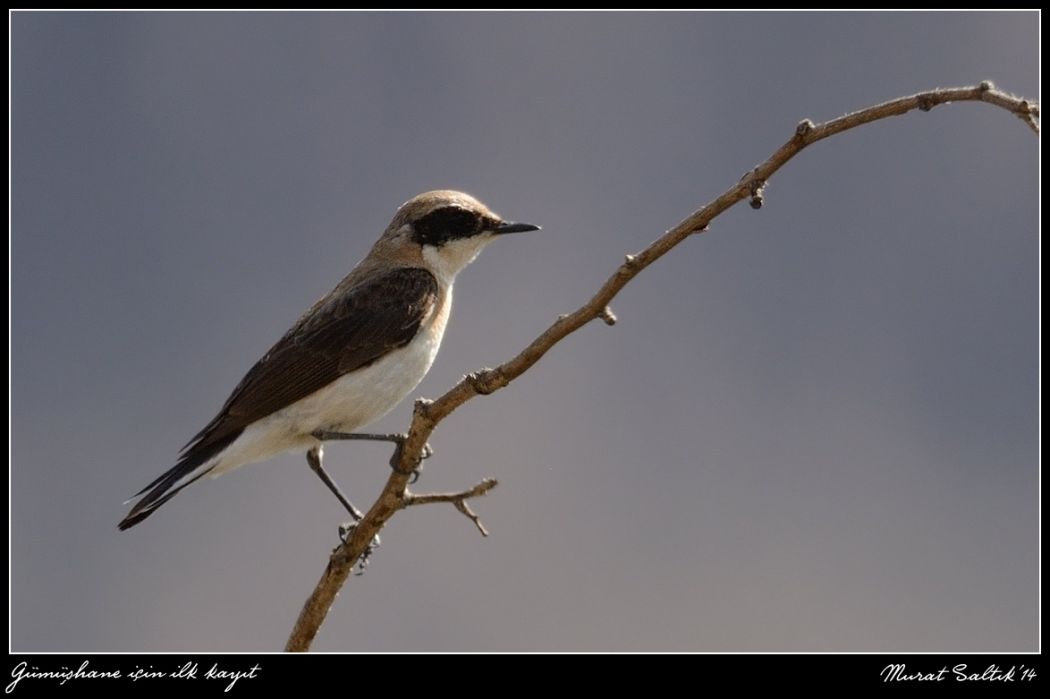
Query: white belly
[(351, 402)]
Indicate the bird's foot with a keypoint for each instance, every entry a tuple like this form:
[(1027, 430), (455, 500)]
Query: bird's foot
[(346, 530), (395, 459)]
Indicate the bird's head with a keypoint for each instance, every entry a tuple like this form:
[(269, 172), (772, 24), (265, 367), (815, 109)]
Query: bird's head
[(450, 228)]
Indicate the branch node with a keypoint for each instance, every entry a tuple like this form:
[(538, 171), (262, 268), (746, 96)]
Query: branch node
[(422, 407), (607, 316), (1028, 113), (804, 128), (986, 85), (758, 188), (482, 381), (925, 102), (463, 507), (630, 261)]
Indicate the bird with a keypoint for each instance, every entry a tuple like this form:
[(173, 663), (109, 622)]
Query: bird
[(352, 356)]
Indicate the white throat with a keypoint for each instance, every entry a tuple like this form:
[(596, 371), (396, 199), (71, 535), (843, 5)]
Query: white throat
[(447, 260)]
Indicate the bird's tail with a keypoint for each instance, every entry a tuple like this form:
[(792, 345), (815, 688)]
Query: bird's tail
[(194, 464)]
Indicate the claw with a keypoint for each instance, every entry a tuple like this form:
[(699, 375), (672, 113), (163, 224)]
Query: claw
[(395, 459), (346, 530)]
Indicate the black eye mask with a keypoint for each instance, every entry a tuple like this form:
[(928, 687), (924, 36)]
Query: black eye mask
[(446, 224)]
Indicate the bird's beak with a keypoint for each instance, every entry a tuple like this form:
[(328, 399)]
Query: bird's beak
[(508, 227)]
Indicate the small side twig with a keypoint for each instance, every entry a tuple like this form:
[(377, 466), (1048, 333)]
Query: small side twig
[(458, 499)]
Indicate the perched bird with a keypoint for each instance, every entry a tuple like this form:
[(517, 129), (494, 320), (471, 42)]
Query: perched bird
[(353, 356)]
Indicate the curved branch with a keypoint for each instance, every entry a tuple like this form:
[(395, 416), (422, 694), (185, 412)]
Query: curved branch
[(428, 414)]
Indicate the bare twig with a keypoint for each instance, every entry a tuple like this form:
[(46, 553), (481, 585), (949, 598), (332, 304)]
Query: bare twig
[(458, 499), (428, 414)]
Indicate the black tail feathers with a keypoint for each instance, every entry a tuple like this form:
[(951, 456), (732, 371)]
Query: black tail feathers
[(163, 488)]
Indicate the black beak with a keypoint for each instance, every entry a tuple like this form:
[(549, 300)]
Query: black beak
[(508, 227)]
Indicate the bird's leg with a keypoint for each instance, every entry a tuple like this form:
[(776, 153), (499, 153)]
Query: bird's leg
[(313, 457), (346, 529), (397, 438)]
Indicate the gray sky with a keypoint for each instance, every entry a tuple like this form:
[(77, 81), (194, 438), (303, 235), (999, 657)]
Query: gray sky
[(814, 428)]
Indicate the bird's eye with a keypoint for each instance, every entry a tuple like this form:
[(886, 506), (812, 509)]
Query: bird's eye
[(445, 224)]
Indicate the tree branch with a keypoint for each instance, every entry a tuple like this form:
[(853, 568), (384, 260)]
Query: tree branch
[(428, 414)]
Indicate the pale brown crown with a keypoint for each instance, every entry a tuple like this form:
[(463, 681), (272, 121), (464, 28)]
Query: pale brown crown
[(420, 205)]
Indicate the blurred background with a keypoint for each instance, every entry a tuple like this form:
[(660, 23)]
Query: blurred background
[(813, 429)]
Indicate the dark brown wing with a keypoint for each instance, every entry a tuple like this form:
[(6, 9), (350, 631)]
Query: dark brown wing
[(340, 334)]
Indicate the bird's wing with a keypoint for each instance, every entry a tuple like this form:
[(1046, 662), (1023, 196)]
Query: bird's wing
[(339, 334)]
